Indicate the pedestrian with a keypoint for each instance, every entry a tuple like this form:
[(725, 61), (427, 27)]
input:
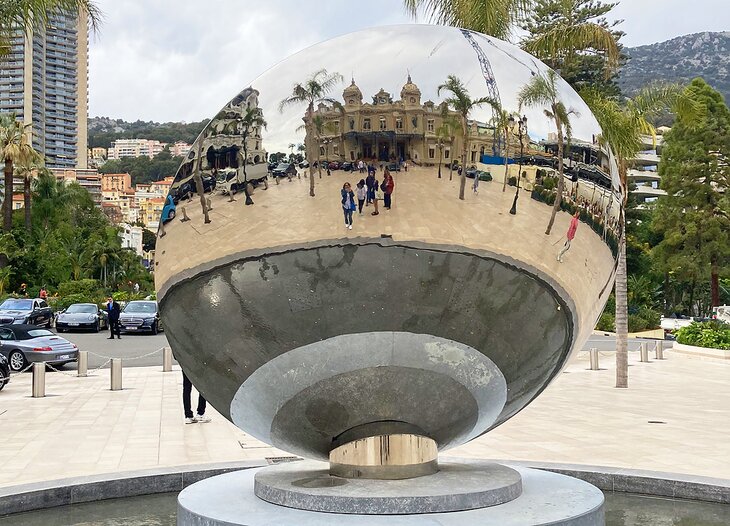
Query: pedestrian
[(112, 311), (362, 193), (348, 204), (570, 235), (475, 186), (187, 406), (377, 195), (405, 166), (387, 187), (136, 287), (43, 294), (361, 166), (370, 184)]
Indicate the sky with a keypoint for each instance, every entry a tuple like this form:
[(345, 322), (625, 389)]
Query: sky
[(182, 60)]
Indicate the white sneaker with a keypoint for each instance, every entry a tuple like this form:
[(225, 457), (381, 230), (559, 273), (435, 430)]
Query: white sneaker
[(202, 419), (349, 226), (190, 420)]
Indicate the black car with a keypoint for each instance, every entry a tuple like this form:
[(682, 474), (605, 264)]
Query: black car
[(284, 170), (81, 316), (393, 167), (189, 188), (140, 316), (4, 371), (26, 310)]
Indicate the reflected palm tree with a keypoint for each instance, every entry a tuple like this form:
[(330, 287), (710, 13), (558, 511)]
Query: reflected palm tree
[(542, 90), (463, 104), (252, 119), (311, 92), (15, 148), (446, 132), (27, 169)]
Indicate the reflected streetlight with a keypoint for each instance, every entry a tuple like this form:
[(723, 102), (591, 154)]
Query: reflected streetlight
[(522, 133)]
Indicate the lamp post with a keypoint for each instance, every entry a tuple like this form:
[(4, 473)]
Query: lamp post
[(522, 132), (440, 146), (326, 143)]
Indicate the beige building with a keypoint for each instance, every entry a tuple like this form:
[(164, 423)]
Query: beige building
[(90, 179), (150, 211), (179, 149), (404, 129), (134, 148), (118, 182)]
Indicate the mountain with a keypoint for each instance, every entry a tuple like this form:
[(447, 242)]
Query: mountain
[(103, 130), (680, 59)]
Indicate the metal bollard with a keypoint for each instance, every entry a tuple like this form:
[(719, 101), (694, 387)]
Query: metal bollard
[(659, 350), (39, 380), (166, 359), (644, 349), (82, 365), (116, 374), (593, 354)]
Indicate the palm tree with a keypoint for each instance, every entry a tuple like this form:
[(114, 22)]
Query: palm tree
[(568, 36), (503, 121), (446, 132), (15, 147), (28, 169), (252, 120), (542, 90), (622, 129), (462, 103), (493, 17), (312, 91), (27, 14)]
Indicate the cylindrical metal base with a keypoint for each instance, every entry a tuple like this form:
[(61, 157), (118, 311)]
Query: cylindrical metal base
[(659, 350), (116, 374), (386, 457), (644, 349), (166, 359), (593, 355), (82, 363), (39, 380)]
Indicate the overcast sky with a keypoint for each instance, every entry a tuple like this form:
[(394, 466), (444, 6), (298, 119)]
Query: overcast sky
[(172, 60)]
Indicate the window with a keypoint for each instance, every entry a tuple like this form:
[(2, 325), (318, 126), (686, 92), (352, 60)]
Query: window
[(473, 156), (398, 123), (337, 126), (446, 154), (6, 334), (351, 101), (413, 100), (366, 124), (352, 124), (382, 123), (336, 150), (431, 153), (429, 125), (321, 150)]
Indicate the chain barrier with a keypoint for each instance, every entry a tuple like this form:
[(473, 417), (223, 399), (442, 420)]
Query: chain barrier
[(613, 353), (133, 358), (60, 371), (15, 373)]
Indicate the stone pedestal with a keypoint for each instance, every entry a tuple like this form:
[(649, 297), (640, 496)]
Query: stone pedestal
[(546, 498)]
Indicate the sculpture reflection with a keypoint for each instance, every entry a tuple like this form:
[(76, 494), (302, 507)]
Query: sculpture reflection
[(444, 300)]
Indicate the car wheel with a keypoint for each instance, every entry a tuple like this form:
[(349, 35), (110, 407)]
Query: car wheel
[(97, 327), (171, 215), (5, 373), (60, 329), (154, 329), (17, 361)]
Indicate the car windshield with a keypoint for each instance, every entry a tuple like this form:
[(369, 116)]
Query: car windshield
[(82, 309), (13, 304), (282, 166), (141, 307), (37, 333)]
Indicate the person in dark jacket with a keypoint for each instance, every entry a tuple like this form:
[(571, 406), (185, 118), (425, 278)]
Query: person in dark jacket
[(370, 183), (112, 311), (348, 204)]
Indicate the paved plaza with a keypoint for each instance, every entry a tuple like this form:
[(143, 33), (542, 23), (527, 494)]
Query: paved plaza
[(674, 418)]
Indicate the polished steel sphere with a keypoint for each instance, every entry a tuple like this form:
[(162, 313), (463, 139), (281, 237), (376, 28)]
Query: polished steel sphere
[(310, 320)]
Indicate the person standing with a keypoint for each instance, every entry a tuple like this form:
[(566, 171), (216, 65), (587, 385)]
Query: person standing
[(377, 195), (348, 204), (370, 184), (362, 193), (112, 311), (570, 235), (43, 294), (187, 406), (387, 187)]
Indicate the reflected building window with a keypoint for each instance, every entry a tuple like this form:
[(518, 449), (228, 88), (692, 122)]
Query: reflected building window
[(399, 123), (366, 124), (429, 125), (352, 124), (414, 120), (431, 153), (446, 154), (382, 123)]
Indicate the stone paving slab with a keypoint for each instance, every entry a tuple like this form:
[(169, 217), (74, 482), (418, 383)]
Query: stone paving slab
[(674, 418)]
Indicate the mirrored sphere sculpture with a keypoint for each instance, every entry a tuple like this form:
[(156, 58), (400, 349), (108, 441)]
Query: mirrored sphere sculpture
[(438, 316)]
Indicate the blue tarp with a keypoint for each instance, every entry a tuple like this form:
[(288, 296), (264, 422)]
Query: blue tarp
[(495, 159)]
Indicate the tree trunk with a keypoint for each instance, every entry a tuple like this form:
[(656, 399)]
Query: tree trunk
[(26, 202), (441, 157), (506, 160), (714, 284), (462, 184), (559, 194), (622, 315), (8, 201)]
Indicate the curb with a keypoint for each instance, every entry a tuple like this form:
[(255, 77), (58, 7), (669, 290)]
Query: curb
[(63, 492)]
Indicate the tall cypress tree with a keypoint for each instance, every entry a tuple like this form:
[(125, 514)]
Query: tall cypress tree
[(694, 217)]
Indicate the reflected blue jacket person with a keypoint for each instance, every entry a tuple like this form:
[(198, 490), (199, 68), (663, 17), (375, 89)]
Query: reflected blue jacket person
[(370, 183), (348, 204)]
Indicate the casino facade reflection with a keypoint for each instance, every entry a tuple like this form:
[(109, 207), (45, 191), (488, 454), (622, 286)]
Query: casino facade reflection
[(302, 331)]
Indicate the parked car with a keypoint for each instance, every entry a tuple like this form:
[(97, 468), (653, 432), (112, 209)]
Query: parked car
[(471, 172), (304, 164), (348, 166), (26, 310), (25, 344), (82, 316), (140, 316), (189, 188), (393, 167), (484, 176), (284, 170), (4, 371), (332, 165), (168, 211)]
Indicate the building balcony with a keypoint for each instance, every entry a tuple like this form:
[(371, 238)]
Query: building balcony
[(646, 159), (643, 176), (646, 192)]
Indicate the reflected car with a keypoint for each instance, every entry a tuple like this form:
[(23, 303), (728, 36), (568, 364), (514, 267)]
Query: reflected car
[(393, 167), (188, 188), (25, 344), (140, 316), (26, 310), (168, 211), (304, 164), (4, 372), (82, 316), (284, 170), (347, 166)]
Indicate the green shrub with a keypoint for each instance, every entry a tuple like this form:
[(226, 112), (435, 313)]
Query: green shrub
[(637, 323), (652, 317), (710, 334), (607, 322), (89, 287), (550, 183), (64, 302)]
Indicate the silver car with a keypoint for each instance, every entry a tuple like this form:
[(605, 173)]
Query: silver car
[(81, 316), (25, 344)]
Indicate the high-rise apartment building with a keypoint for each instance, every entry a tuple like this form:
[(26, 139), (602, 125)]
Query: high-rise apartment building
[(44, 81), (134, 148)]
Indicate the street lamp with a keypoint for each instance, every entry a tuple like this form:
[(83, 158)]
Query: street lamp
[(522, 132), (326, 143)]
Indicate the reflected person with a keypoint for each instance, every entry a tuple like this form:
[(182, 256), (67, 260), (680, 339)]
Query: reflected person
[(362, 193), (570, 235), (187, 406), (348, 204), (387, 187)]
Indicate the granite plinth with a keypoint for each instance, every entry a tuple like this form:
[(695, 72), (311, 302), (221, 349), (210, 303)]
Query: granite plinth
[(457, 486), (546, 498)]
